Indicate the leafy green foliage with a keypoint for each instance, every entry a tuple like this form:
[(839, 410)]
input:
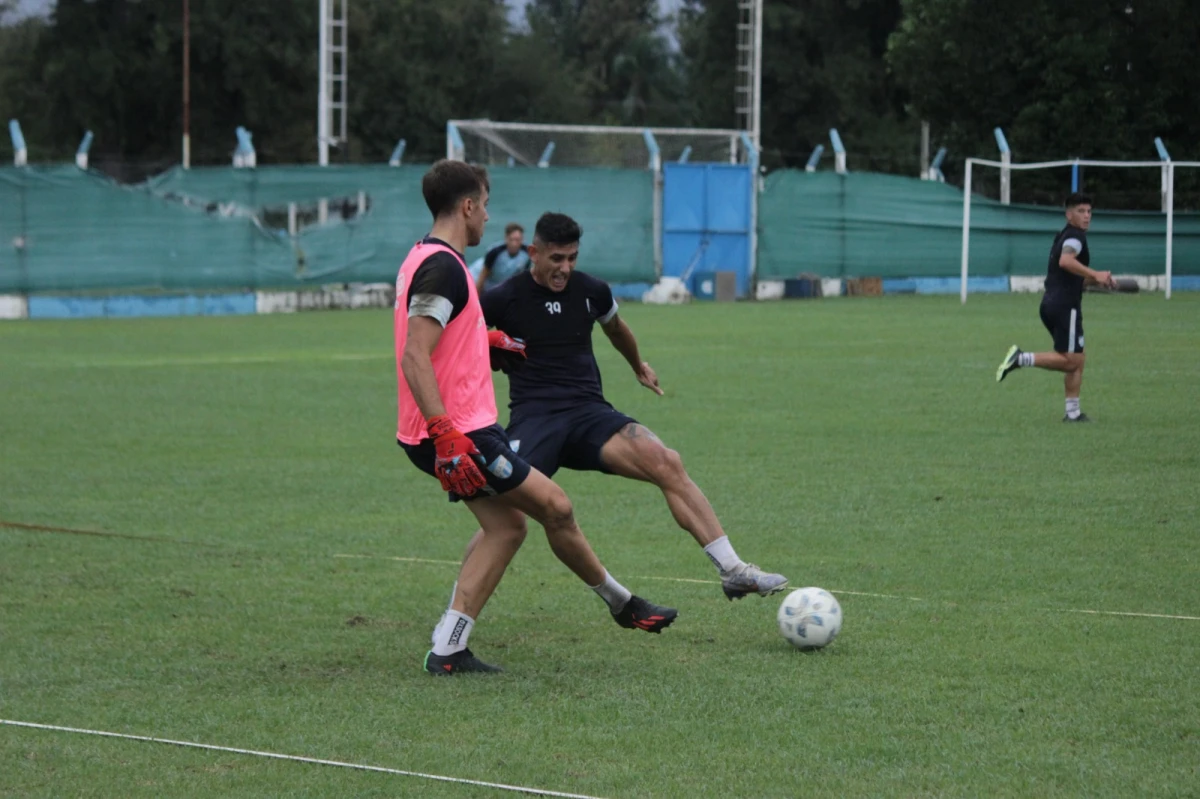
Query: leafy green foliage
[(1099, 80)]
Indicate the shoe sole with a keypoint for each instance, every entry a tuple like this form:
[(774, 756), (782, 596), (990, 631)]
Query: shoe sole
[(1005, 365), (452, 672), (733, 593)]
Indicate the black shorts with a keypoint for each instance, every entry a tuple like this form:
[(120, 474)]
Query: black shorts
[(1065, 323), (505, 468), (572, 438)]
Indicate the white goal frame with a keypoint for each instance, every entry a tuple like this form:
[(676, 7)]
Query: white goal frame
[(1168, 191)]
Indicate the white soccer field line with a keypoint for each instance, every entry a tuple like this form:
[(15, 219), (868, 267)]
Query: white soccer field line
[(834, 591), (499, 786)]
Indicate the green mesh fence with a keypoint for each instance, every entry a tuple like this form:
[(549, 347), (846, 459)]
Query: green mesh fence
[(63, 229), (863, 224)]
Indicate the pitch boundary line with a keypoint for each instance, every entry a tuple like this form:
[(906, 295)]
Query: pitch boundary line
[(499, 786), (404, 560), (1128, 613)]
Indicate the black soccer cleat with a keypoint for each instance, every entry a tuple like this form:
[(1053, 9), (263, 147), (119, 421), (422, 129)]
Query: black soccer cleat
[(1011, 362), (642, 615), (1082, 417), (459, 663)]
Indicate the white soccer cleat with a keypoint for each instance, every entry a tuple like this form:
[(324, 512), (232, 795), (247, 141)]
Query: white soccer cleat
[(749, 579)]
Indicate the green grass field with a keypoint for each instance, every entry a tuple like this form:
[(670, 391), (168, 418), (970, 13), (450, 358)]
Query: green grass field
[(861, 445)]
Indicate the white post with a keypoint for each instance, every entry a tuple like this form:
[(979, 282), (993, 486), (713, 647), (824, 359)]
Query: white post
[(924, 150), (1170, 221), (322, 211), (323, 83), (966, 237), (657, 177), (362, 202), (1005, 178), (292, 228)]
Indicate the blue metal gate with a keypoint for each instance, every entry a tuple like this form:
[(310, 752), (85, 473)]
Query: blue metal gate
[(706, 221)]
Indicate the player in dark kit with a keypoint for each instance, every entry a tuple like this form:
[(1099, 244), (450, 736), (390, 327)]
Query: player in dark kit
[(1061, 310), (559, 414)]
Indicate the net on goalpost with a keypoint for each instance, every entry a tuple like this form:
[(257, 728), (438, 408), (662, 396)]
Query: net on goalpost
[(1145, 221), (489, 143)]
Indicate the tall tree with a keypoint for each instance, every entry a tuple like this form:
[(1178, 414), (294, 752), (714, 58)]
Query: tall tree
[(822, 67), (616, 54), (416, 64), (1095, 80)]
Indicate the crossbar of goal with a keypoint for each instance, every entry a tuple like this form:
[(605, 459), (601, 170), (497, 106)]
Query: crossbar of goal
[(1168, 168)]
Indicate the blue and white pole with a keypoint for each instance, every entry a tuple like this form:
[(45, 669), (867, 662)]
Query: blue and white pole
[(398, 153), (81, 155), (839, 152), (1005, 172), (20, 152)]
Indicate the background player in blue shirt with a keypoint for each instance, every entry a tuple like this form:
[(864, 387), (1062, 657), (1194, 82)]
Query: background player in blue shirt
[(559, 416), (502, 261)]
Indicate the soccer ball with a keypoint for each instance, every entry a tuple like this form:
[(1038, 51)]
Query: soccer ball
[(810, 618)]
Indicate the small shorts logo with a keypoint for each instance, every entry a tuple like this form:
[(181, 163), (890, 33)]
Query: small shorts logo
[(1081, 342), (501, 467), (515, 446)]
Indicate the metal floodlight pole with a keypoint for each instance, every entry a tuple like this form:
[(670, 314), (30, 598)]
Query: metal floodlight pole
[(186, 155), (323, 83), (756, 112)]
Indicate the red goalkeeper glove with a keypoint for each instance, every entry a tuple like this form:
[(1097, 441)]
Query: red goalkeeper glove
[(455, 463), (507, 353)]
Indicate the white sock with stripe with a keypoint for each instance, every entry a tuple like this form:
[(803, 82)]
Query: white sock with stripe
[(452, 634), (1025, 359), (1072, 407), (721, 553)]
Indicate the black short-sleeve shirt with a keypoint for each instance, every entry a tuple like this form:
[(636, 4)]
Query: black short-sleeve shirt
[(560, 369)]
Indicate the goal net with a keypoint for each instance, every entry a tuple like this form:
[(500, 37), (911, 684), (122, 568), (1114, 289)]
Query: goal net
[(1145, 218), (489, 143)]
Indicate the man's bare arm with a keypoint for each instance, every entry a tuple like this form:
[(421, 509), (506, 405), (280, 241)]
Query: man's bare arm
[(417, 364), (1071, 263)]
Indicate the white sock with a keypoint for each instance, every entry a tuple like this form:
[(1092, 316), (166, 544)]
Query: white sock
[(721, 553), (449, 605), (1025, 359), (612, 592), (452, 633), (1073, 407)]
